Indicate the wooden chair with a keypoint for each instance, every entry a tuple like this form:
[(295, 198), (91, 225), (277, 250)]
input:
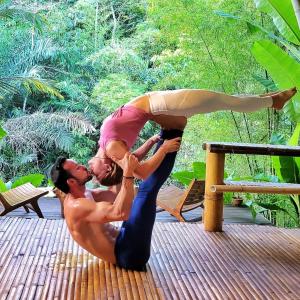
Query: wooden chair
[(25, 195), (177, 201), (61, 197)]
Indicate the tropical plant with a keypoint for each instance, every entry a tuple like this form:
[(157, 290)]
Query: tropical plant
[(29, 77), (30, 137), (34, 179), (186, 176), (280, 55)]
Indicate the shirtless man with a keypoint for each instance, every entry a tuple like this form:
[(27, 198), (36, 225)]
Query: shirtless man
[(88, 213)]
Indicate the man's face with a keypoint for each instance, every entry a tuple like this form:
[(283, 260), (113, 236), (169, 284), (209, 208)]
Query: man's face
[(79, 172), (100, 167)]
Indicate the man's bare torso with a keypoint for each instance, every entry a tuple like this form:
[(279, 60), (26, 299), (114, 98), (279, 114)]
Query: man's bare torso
[(98, 239)]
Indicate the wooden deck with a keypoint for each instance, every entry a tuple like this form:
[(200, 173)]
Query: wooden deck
[(232, 215), (39, 260)]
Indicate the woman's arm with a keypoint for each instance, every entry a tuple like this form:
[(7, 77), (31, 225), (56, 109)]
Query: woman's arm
[(142, 151), (147, 167), (116, 151)]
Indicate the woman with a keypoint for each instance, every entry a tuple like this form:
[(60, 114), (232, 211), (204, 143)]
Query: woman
[(170, 109)]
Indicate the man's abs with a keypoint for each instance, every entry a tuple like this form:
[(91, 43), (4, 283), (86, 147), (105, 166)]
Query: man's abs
[(98, 239)]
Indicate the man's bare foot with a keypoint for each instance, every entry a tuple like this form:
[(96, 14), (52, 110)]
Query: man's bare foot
[(279, 99)]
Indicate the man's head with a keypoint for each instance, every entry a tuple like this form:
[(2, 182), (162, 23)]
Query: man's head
[(67, 172)]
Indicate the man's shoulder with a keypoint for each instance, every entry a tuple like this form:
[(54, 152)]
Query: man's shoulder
[(78, 205)]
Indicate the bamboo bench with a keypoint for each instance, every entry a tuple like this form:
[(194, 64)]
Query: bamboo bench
[(215, 184)]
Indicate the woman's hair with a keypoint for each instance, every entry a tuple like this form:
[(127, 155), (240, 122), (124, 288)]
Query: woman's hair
[(114, 176)]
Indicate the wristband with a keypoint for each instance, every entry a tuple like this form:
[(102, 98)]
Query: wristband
[(128, 177)]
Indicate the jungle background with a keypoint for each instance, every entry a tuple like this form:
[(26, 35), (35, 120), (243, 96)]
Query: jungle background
[(66, 65)]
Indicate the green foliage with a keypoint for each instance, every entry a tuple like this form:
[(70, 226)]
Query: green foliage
[(115, 90), (82, 148), (197, 172), (2, 133), (34, 179), (23, 16), (117, 59), (3, 187), (287, 170)]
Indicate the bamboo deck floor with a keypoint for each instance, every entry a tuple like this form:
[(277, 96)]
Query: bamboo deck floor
[(39, 260)]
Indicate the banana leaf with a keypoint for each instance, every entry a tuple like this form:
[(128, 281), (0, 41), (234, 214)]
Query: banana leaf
[(3, 187), (184, 177), (283, 16), (35, 179), (2, 133), (284, 70), (253, 27), (199, 170)]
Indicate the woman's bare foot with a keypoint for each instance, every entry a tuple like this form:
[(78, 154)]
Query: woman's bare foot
[(269, 94), (279, 99)]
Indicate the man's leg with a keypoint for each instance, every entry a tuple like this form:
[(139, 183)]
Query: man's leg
[(133, 243)]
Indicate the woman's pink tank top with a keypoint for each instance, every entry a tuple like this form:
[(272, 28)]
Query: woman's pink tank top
[(123, 125)]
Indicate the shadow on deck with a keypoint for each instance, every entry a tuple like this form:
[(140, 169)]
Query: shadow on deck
[(39, 260)]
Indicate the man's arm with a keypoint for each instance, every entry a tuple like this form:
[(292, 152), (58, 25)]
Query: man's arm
[(103, 212), (142, 151)]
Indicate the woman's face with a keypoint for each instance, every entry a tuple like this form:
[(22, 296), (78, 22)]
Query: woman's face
[(100, 167)]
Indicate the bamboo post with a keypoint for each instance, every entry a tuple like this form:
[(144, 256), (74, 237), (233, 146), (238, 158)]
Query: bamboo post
[(213, 202)]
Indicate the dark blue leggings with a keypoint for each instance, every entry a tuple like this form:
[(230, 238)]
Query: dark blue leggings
[(133, 243)]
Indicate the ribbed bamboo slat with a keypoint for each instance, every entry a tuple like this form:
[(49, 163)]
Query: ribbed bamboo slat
[(256, 187), (40, 260)]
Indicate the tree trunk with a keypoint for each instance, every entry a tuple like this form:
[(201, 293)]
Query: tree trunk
[(25, 103), (115, 23), (96, 26)]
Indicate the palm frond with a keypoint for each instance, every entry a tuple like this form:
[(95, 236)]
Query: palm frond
[(44, 131), (5, 87), (23, 158), (32, 84), (8, 85), (44, 48)]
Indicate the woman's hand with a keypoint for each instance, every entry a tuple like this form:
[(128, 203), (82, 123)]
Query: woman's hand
[(155, 139), (172, 145)]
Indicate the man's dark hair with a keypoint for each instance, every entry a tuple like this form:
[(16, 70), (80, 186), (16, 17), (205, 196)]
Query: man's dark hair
[(59, 175), (114, 177)]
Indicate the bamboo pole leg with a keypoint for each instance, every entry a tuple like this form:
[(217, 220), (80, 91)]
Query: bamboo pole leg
[(213, 202)]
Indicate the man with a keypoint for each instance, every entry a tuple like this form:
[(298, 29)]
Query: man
[(88, 213)]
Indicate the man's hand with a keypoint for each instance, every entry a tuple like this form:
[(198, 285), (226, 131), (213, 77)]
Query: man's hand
[(172, 145), (128, 163)]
